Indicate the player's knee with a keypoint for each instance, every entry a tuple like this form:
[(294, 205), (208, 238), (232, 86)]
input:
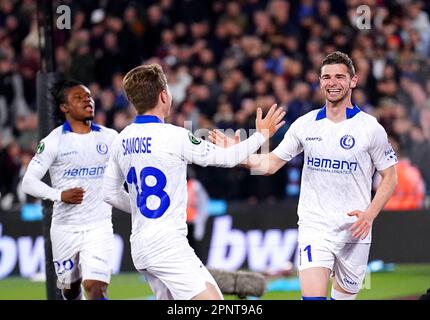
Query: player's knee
[(339, 293), (95, 290)]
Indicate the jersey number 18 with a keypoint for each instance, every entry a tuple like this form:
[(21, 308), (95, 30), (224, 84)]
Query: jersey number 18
[(144, 191)]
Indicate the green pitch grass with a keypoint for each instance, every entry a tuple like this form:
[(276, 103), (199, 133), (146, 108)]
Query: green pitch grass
[(406, 282)]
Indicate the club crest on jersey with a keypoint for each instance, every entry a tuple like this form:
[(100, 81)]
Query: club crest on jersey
[(102, 148), (194, 139), (347, 142), (40, 147)]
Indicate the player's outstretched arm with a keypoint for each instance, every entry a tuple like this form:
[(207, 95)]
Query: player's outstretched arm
[(208, 154), (266, 164), (267, 126), (222, 140)]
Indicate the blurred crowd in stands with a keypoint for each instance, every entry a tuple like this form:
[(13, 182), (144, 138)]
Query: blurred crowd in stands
[(223, 59)]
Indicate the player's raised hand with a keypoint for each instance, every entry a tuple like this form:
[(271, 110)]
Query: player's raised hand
[(271, 123), (361, 227), (220, 139), (73, 196)]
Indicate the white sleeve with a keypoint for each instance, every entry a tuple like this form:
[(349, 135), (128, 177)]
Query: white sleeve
[(290, 146), (113, 181), (36, 170), (382, 153), (205, 153)]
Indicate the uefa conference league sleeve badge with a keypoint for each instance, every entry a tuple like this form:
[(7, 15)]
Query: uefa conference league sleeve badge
[(40, 147), (194, 139)]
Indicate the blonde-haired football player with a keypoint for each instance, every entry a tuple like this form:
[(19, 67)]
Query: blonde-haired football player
[(152, 157)]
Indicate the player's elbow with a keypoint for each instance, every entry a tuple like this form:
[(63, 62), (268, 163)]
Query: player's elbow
[(26, 184), (108, 197), (108, 200), (389, 179), (391, 176)]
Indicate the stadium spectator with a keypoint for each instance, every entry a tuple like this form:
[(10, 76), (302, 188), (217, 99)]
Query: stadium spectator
[(420, 155), (202, 43), (9, 166)]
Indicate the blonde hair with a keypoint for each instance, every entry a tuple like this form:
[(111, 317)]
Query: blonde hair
[(143, 85)]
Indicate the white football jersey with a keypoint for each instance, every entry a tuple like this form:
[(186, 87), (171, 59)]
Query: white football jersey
[(76, 160), (152, 158), (339, 162)]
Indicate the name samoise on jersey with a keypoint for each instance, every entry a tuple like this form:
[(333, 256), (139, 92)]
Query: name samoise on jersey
[(331, 165), (136, 145)]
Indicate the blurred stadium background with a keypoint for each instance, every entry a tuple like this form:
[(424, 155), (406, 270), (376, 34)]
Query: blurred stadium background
[(222, 59)]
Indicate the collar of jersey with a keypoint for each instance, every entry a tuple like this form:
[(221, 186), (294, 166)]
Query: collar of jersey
[(68, 128), (350, 112), (145, 118)]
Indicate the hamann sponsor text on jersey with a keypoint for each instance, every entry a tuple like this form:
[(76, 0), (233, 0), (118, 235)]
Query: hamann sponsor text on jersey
[(136, 145), (323, 163), (91, 172)]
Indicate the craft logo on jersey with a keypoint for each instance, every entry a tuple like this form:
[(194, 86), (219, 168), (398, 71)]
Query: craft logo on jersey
[(194, 139), (313, 139), (347, 142), (102, 148), (40, 147)]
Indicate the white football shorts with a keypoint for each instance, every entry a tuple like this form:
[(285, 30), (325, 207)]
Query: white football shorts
[(85, 254), (175, 272), (347, 261)]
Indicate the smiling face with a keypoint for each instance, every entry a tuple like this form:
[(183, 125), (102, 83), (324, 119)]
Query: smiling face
[(79, 104), (336, 82)]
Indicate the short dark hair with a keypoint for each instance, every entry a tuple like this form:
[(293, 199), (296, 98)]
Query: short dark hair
[(60, 88), (338, 57), (143, 84), (59, 93)]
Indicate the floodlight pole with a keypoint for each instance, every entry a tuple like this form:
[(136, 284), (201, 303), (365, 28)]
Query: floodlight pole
[(45, 107)]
